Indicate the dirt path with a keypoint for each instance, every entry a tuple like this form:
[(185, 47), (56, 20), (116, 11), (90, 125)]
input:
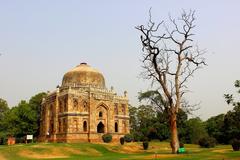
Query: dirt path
[(2, 157)]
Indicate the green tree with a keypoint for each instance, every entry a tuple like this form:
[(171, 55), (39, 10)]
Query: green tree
[(195, 130), (134, 125), (214, 127), (24, 118), (230, 98), (133, 118), (232, 118), (19, 121), (232, 125), (182, 124), (35, 105), (152, 122), (162, 126), (145, 122), (161, 121), (3, 108), (157, 101), (9, 123), (146, 117)]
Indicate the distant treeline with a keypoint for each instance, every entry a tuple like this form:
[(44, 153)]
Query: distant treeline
[(147, 122)]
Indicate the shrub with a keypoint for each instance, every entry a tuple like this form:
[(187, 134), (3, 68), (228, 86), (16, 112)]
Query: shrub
[(128, 138), (207, 142), (107, 138), (145, 145), (122, 141), (235, 144)]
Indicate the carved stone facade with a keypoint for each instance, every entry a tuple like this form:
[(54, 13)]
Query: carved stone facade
[(82, 109)]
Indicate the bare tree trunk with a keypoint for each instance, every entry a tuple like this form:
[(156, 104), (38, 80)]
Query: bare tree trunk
[(174, 133)]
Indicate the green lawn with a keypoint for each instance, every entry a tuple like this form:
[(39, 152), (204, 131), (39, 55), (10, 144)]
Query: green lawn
[(113, 151)]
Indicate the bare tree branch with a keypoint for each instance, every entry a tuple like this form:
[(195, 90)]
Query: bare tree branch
[(170, 58)]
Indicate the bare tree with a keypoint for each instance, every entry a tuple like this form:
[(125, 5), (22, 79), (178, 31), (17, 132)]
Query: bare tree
[(169, 59)]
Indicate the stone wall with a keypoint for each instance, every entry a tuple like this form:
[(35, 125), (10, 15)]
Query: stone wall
[(78, 114)]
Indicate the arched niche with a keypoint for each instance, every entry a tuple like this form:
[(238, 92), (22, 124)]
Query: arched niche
[(100, 127), (85, 107), (102, 111), (85, 126)]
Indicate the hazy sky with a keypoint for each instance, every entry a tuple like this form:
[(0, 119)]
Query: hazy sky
[(42, 40)]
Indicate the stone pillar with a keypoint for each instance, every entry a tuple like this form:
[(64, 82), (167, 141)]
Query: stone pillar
[(55, 118), (92, 128), (111, 118)]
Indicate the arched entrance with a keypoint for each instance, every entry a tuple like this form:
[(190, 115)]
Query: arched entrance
[(100, 128)]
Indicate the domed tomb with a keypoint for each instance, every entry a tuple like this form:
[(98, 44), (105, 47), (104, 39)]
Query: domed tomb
[(84, 75), (82, 109)]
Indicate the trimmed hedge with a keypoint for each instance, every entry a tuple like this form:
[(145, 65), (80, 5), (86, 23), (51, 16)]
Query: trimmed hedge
[(128, 138), (235, 144), (107, 138), (122, 140), (207, 142), (145, 145)]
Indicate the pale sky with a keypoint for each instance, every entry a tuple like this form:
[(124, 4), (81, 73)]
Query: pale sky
[(42, 40)]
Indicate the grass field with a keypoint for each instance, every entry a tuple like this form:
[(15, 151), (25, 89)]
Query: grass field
[(113, 151)]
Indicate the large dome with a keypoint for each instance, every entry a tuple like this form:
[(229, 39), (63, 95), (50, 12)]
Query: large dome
[(84, 74)]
